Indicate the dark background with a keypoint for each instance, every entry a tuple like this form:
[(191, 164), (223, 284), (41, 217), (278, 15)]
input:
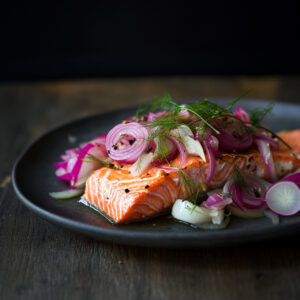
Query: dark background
[(119, 38)]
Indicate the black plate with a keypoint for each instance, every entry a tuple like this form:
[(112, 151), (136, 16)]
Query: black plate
[(33, 179)]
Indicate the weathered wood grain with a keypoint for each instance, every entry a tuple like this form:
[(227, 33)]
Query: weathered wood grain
[(41, 261)]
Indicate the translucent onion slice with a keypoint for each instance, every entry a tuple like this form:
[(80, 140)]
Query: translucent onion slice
[(74, 169), (267, 139), (84, 169), (165, 149), (168, 169), (192, 146), (264, 149), (141, 164), (182, 151), (212, 163), (67, 194), (273, 217)]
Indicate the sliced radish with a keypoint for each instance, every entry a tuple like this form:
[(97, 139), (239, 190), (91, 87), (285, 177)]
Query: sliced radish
[(67, 194), (283, 198)]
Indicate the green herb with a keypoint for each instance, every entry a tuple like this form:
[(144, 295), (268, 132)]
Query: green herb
[(257, 115), (162, 149), (106, 162), (164, 102), (276, 136), (204, 111), (238, 177), (191, 185), (230, 106)]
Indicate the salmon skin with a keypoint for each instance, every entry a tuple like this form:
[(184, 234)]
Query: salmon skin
[(125, 198)]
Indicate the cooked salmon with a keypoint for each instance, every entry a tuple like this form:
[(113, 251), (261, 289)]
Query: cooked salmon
[(125, 198)]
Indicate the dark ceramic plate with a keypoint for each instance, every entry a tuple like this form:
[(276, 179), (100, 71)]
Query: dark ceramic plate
[(33, 179)]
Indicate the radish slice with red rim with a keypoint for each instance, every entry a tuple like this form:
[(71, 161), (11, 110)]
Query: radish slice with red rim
[(283, 198)]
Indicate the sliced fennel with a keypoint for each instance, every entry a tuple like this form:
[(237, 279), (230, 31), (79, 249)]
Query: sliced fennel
[(193, 146), (67, 194), (186, 211), (141, 164)]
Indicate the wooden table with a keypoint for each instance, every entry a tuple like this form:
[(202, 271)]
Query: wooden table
[(41, 261)]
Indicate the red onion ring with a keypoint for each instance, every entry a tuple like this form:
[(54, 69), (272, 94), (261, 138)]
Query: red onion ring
[(264, 149), (293, 177), (212, 163), (242, 114), (182, 151), (228, 142), (217, 201), (213, 143), (76, 169), (168, 169), (73, 169), (172, 153), (99, 141), (130, 152), (242, 197), (267, 139)]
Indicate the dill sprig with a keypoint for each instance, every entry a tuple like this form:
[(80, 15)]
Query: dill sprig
[(238, 177), (257, 115), (191, 185), (106, 162), (206, 115), (164, 102), (274, 135), (139, 162), (236, 100), (162, 149), (205, 111)]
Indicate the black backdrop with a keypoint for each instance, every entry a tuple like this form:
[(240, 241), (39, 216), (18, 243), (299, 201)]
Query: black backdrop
[(121, 38)]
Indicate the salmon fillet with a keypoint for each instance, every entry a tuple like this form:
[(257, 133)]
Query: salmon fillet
[(125, 198)]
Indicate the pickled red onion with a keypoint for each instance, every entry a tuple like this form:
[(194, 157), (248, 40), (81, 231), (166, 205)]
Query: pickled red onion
[(126, 142)]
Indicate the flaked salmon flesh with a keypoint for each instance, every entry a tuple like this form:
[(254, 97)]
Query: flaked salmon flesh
[(125, 198)]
